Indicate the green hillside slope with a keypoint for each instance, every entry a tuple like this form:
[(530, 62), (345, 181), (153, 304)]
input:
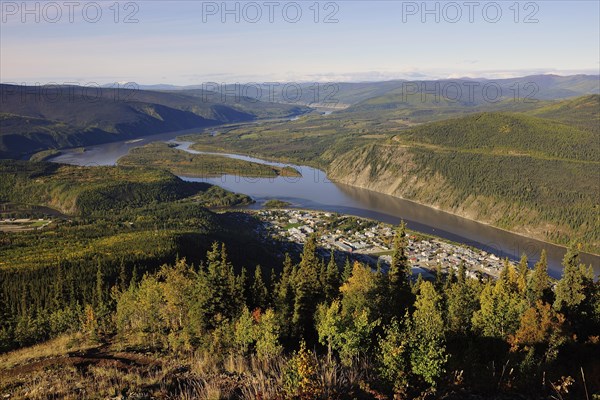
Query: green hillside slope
[(534, 176), (87, 191), (511, 134), (34, 119), (424, 101)]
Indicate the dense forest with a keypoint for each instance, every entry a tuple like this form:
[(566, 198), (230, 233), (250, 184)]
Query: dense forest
[(526, 174), (526, 171), (38, 118), (161, 155), (143, 292), (142, 286), (89, 192), (312, 329)]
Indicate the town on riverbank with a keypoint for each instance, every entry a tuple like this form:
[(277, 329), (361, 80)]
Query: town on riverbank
[(370, 242)]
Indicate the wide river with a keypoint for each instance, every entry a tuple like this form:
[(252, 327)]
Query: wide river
[(314, 191)]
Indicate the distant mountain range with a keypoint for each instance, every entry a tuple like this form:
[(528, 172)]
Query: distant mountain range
[(423, 101), (33, 119), (39, 118), (540, 87)]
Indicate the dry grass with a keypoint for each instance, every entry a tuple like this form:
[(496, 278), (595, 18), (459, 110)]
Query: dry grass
[(101, 371), (55, 347)]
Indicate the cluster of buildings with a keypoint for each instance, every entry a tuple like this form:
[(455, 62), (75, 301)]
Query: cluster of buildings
[(371, 242)]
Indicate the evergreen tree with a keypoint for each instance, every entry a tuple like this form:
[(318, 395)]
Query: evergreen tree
[(59, 300), (243, 287), (217, 291), (332, 281), (135, 276), (538, 287), (417, 285), (308, 291), (575, 295), (450, 279), (509, 277), (271, 284), (523, 277), (399, 274), (99, 293), (462, 273), (439, 278), (570, 289), (347, 270), (258, 292), (73, 299), (322, 274), (285, 296), (123, 279)]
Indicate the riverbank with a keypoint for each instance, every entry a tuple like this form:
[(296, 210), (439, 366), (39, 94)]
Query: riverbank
[(525, 234), (315, 191), (167, 156), (370, 241)]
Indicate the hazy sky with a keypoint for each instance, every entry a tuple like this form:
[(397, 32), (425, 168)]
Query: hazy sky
[(189, 42)]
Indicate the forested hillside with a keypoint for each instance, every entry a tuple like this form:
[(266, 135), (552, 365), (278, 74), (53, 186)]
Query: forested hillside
[(88, 191), (504, 133), (529, 175), (313, 329), (424, 101), (121, 221), (161, 155), (532, 175), (581, 112), (38, 118), (534, 172)]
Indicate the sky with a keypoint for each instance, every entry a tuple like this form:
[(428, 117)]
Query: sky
[(190, 42)]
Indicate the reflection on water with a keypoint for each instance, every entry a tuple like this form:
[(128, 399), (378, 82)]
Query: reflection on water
[(314, 191), (109, 153), (452, 227)]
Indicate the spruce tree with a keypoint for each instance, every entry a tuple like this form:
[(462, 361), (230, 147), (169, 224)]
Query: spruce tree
[(216, 291), (573, 289), (462, 273), (461, 303), (399, 274), (259, 291), (284, 296), (99, 292), (271, 283), (347, 270), (59, 288), (416, 287), (243, 286), (538, 286), (332, 281), (439, 278), (450, 279), (123, 279), (135, 276), (523, 274), (308, 291)]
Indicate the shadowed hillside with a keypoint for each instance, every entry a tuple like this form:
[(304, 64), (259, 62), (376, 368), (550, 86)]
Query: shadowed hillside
[(535, 176), (33, 119)]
